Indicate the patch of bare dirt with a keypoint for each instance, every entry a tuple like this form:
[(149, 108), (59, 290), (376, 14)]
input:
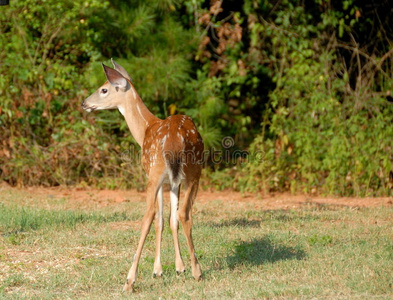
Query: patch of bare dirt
[(80, 198), (86, 197), (285, 201)]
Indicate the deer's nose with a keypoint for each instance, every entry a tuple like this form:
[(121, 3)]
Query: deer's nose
[(87, 108)]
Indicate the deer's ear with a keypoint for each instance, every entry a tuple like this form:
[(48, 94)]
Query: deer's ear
[(115, 78), (121, 70)]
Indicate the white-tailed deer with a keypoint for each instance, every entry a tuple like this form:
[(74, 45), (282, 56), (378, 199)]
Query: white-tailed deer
[(172, 151)]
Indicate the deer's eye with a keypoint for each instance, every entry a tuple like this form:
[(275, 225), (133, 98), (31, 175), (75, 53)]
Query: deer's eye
[(104, 91)]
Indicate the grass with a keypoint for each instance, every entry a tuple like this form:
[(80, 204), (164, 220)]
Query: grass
[(50, 249)]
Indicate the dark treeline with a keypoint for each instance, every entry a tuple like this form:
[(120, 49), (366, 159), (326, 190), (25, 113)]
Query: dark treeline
[(303, 87)]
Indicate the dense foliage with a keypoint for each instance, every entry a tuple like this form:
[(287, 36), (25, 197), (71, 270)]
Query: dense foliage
[(328, 124), (305, 87)]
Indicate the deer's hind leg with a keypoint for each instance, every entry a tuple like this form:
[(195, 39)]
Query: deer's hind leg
[(185, 217), (152, 189)]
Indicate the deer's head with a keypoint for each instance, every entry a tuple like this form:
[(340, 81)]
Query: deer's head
[(112, 93)]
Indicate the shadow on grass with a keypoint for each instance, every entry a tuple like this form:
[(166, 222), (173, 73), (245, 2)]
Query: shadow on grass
[(267, 216), (237, 222), (260, 251)]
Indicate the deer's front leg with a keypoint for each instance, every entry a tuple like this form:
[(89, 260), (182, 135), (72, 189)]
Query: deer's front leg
[(157, 271), (174, 224)]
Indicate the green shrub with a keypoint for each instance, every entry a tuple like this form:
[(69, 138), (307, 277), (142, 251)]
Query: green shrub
[(322, 133)]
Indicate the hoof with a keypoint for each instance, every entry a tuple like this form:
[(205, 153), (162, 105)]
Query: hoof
[(197, 273), (180, 272), (129, 286)]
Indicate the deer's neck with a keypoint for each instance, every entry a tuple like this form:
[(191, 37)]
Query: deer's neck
[(137, 115)]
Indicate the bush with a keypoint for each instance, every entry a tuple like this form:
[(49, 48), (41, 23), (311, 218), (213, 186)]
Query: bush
[(299, 85), (323, 133)]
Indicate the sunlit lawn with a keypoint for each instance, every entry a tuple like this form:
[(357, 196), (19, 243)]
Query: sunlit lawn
[(51, 249)]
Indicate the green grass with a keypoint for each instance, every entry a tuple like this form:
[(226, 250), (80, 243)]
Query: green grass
[(52, 250), (14, 219)]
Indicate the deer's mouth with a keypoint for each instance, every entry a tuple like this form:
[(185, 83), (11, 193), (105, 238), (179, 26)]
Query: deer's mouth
[(88, 108)]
